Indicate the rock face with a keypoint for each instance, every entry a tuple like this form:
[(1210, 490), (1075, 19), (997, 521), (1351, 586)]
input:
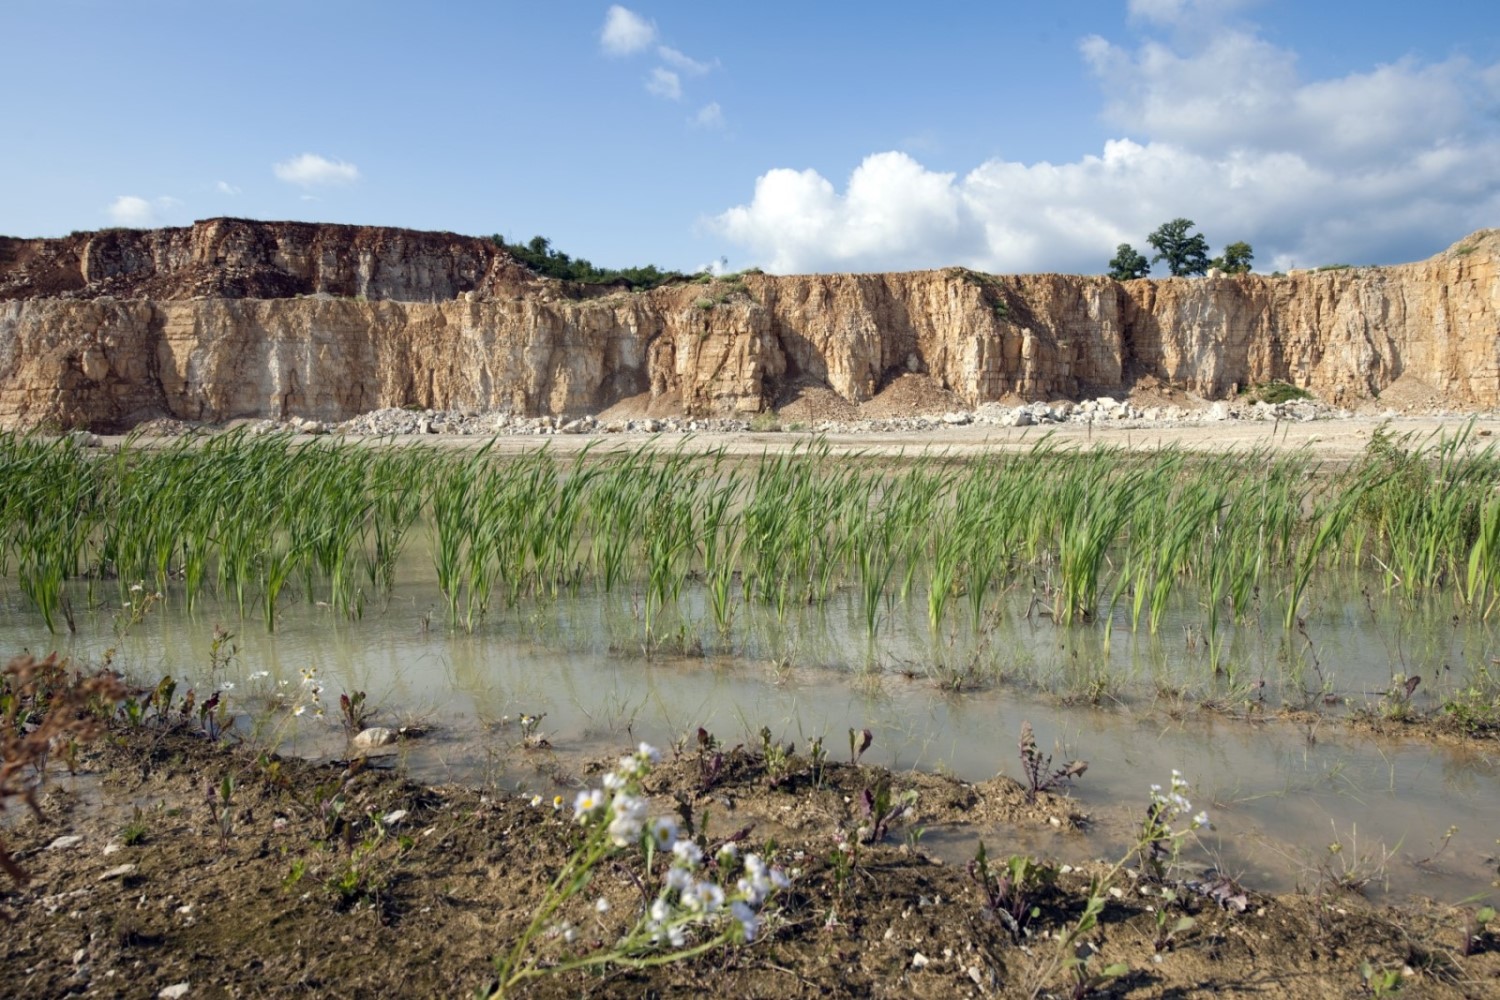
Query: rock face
[(231, 319)]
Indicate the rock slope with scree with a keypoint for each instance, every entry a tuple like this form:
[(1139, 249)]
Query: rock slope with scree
[(231, 319)]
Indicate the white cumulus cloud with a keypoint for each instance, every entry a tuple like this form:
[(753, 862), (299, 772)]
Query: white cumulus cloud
[(664, 83), (625, 32), (131, 210), (893, 215), (310, 169), (1387, 164)]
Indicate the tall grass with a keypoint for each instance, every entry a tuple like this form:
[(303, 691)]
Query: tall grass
[(254, 519)]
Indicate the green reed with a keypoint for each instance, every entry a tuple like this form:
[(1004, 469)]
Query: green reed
[(251, 519)]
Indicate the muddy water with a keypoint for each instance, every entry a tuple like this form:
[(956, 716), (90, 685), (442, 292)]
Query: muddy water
[(1279, 792)]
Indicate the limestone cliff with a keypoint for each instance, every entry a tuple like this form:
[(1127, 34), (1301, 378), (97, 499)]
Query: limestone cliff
[(232, 319)]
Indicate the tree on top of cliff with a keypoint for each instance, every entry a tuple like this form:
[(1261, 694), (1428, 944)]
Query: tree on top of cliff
[(538, 255), (1128, 263), (1235, 260), (1185, 254)]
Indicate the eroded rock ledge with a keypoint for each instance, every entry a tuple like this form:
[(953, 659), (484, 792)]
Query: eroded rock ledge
[(234, 319)]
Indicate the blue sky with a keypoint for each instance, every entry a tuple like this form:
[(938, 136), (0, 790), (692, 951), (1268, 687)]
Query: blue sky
[(1009, 137)]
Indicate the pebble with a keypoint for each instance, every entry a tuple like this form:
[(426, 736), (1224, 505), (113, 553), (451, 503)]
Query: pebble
[(376, 736), (919, 961), (1105, 410), (63, 843), (118, 872), (174, 992)]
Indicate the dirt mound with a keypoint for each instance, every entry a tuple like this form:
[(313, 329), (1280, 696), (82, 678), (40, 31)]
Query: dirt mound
[(810, 402), (911, 396), (1149, 391), (1408, 394), (644, 406)]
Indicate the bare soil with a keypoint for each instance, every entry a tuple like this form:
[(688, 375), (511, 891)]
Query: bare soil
[(288, 905)]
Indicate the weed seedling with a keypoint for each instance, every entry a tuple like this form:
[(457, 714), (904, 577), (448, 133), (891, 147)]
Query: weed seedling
[(778, 759), (843, 860), (1037, 767), (353, 713), (859, 742), (135, 831), (1167, 929), (1476, 927), (213, 716), (710, 760), (819, 757), (1379, 982), (1396, 705), (531, 737), (882, 810), (1086, 978), (1013, 892), (222, 651), (1350, 869), (220, 799)]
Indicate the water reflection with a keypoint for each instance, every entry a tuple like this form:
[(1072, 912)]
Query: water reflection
[(1280, 792)]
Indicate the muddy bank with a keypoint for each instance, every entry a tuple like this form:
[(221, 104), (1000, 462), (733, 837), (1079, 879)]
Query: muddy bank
[(408, 890)]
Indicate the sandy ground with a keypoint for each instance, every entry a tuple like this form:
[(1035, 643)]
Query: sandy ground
[(1334, 440)]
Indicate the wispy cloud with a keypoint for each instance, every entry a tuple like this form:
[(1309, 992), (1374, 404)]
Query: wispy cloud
[(682, 61), (1181, 12), (625, 32), (664, 83), (310, 169), (224, 187), (709, 116)]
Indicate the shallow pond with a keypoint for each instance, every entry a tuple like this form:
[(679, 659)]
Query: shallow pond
[(1280, 791)]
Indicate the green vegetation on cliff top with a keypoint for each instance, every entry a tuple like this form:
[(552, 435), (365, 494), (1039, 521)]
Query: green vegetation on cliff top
[(538, 255)]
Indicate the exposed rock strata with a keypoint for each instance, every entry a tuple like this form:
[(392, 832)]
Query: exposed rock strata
[(233, 319)]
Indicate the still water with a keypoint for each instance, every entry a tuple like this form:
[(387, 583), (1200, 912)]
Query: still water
[(1280, 790)]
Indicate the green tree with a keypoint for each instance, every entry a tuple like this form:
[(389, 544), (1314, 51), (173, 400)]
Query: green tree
[(538, 254), (1128, 263), (1235, 260), (1184, 253)]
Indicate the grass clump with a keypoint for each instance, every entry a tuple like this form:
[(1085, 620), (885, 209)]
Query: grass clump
[(1275, 391)]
